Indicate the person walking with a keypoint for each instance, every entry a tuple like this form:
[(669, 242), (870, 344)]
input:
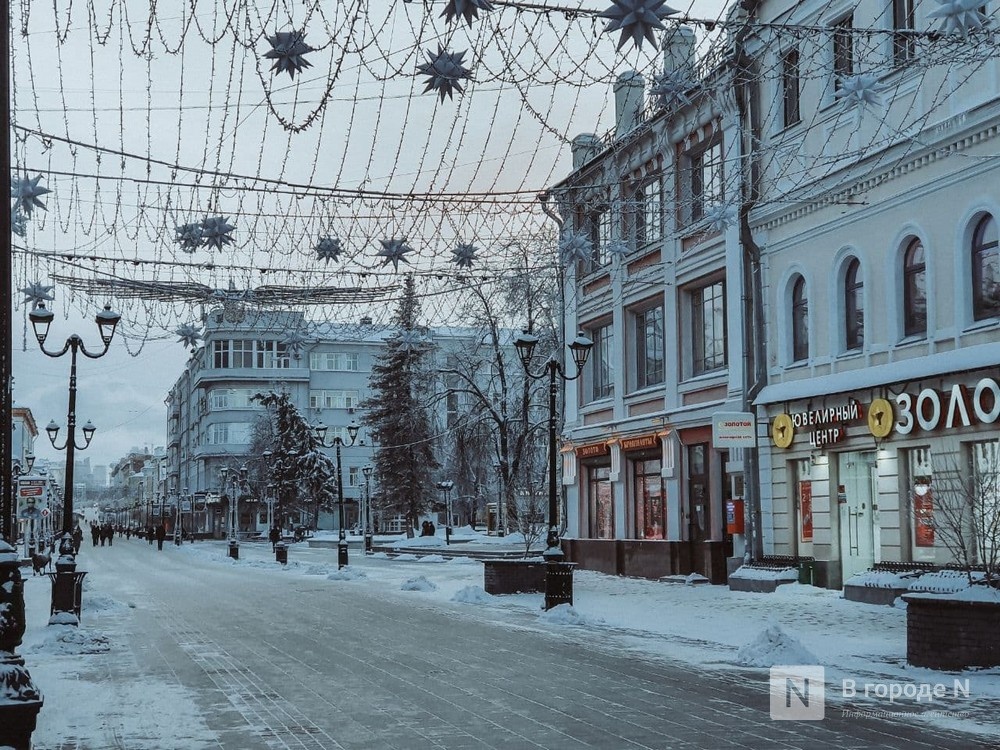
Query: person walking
[(77, 539), (161, 534), (275, 536), (95, 532)]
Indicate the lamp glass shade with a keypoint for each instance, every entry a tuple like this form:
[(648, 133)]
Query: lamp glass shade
[(29, 460), (52, 430), (320, 430), (107, 321), (367, 470), (525, 345), (352, 430), (41, 319), (88, 431), (580, 348)]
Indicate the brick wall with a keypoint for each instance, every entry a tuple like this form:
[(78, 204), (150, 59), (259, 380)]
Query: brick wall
[(942, 634)]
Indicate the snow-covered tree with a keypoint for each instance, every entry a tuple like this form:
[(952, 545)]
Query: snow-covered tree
[(397, 417)]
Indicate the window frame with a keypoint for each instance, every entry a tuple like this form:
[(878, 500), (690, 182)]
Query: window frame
[(791, 91), (701, 362), (903, 19), (648, 196), (707, 177), (800, 312), (854, 306), (912, 324), (842, 49), (981, 252), (602, 372), (646, 376)]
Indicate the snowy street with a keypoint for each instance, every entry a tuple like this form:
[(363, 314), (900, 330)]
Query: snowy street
[(185, 648)]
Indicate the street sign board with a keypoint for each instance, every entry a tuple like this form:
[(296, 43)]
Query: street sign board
[(734, 430)]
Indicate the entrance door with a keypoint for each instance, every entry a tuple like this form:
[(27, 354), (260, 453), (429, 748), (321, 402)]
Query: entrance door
[(699, 498), (858, 504)]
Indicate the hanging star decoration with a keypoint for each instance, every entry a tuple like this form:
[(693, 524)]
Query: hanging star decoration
[(463, 256), (288, 50), (636, 19), (190, 335), (720, 217), (863, 89), (36, 293), (410, 340), (444, 71), (216, 231), (19, 223), (670, 89), (189, 237), (616, 249), (295, 340), (469, 9), (959, 16), (25, 192), (575, 246), (328, 248), (393, 251)]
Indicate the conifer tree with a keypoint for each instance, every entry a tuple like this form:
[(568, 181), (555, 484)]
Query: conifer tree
[(397, 418), (298, 465)]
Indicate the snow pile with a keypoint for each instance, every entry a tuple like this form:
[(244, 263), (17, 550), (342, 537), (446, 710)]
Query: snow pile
[(406, 557), (765, 574), (563, 614), (419, 541), (472, 595), (944, 582), (318, 570), (883, 579), (379, 556), (418, 584), (772, 646), (347, 573), (431, 559), (68, 640), (464, 561), (104, 603), (694, 578)]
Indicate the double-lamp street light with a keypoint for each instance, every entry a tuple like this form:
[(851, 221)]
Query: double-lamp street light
[(352, 432), (445, 486), (367, 471), (65, 585), (558, 575), (238, 478)]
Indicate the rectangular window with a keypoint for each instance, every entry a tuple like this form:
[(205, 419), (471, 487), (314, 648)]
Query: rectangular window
[(598, 229), (353, 476), (707, 185), (333, 399), (229, 433), (649, 347), (843, 50), (601, 502), (650, 508), (272, 355), (708, 328), (790, 87), (602, 365), (242, 353), (232, 398), (902, 22), (648, 211), (220, 354), (335, 361)]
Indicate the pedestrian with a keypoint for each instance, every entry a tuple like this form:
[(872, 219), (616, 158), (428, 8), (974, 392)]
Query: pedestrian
[(423, 529), (275, 536), (111, 534), (161, 534), (431, 529), (95, 532), (149, 533), (77, 539)]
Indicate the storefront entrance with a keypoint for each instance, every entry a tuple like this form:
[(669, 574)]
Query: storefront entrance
[(857, 499)]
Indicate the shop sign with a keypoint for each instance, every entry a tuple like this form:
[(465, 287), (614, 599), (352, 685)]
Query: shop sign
[(642, 442), (734, 430), (959, 407), (828, 424), (594, 449)]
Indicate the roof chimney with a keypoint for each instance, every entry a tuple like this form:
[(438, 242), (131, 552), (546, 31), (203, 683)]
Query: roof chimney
[(628, 102), (585, 147), (678, 50)]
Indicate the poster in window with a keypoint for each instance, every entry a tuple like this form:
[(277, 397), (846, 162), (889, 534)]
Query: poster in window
[(923, 516), (806, 510), (605, 511)]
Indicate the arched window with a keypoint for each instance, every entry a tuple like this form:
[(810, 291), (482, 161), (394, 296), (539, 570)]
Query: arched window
[(800, 321), (985, 270), (854, 306), (914, 290)]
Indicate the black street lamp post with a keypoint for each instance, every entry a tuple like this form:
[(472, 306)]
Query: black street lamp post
[(558, 575), (238, 478), (64, 583), (498, 467), (367, 471), (445, 486), (17, 471), (352, 432)]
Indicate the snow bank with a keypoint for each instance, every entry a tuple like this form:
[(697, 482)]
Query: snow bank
[(318, 570), (431, 559), (104, 603), (563, 614), (883, 579), (772, 646), (464, 561), (764, 574), (347, 573), (406, 557), (69, 640), (418, 584), (472, 595), (943, 582), (419, 541)]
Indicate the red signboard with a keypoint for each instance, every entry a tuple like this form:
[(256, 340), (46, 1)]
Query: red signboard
[(923, 516), (806, 510)]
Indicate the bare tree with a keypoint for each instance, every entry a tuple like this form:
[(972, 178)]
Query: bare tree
[(967, 509)]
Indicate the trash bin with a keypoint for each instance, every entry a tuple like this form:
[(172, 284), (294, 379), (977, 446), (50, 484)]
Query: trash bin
[(558, 584), (807, 570), (281, 553), (67, 591)]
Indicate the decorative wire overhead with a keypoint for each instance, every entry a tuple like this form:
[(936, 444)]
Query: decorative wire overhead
[(444, 72), (295, 340), (288, 50), (637, 20), (25, 192), (575, 246), (464, 255), (959, 17), (18, 223), (394, 251), (467, 9), (328, 248), (190, 335), (37, 292), (216, 232), (863, 89)]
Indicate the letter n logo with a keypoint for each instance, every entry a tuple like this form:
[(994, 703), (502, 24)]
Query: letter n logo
[(798, 692)]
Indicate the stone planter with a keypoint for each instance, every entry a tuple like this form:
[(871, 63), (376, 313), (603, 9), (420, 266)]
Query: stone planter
[(951, 634), (514, 576)]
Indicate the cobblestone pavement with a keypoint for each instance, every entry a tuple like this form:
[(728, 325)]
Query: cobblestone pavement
[(286, 661)]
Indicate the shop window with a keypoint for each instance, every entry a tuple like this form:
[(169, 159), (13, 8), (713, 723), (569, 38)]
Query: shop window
[(914, 290), (854, 306), (985, 270), (708, 327), (790, 87), (699, 499), (800, 321), (921, 491), (602, 507), (650, 504), (649, 346)]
